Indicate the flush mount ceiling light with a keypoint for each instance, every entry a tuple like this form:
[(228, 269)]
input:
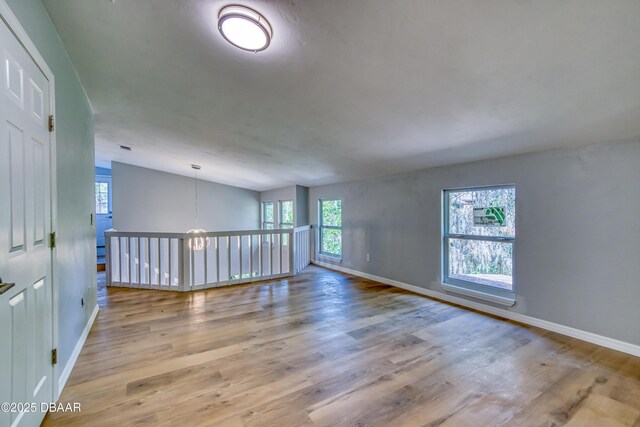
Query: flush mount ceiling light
[(244, 28)]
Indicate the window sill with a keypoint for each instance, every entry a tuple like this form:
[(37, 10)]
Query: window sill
[(508, 301), (330, 258)]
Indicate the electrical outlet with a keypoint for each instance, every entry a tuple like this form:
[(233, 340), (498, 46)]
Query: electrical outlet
[(368, 257)]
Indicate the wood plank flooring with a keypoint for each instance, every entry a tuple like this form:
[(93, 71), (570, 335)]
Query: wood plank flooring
[(329, 349)]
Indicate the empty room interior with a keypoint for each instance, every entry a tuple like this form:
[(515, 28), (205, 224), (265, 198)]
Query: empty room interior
[(320, 213)]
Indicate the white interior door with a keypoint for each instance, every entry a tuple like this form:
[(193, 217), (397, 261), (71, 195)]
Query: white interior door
[(26, 372)]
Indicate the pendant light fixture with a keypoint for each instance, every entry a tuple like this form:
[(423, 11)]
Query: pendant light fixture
[(198, 239), (244, 28)]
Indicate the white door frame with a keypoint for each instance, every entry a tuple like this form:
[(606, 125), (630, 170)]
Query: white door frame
[(14, 25)]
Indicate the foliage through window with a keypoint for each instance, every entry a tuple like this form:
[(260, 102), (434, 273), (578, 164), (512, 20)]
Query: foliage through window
[(285, 216), (479, 234), (267, 216), (330, 232), (102, 198), (286, 213)]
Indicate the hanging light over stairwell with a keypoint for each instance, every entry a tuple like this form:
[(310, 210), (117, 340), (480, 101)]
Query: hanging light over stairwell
[(198, 239)]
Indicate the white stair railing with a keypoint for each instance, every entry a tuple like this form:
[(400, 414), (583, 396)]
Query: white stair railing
[(168, 261), (302, 248)]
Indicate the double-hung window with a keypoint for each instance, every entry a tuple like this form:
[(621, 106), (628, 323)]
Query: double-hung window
[(478, 242), (267, 216), (103, 199), (330, 230), (286, 214)]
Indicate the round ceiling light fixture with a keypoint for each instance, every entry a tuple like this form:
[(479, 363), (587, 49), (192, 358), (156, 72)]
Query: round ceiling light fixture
[(244, 28)]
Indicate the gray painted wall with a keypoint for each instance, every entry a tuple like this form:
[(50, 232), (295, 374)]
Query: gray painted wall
[(76, 237), (103, 171), (276, 195), (284, 193), (149, 200), (300, 197), (578, 231), (302, 205)]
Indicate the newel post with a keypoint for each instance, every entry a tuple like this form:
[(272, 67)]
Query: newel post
[(107, 257), (293, 247), (184, 264)]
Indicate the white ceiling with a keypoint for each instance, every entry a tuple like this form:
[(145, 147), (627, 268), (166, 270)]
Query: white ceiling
[(352, 88)]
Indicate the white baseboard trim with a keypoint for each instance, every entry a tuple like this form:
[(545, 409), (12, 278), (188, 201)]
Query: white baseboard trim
[(64, 375), (611, 343)]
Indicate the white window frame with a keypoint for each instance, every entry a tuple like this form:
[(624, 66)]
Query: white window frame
[(262, 216), (103, 180), (321, 226), (280, 216), (477, 290)]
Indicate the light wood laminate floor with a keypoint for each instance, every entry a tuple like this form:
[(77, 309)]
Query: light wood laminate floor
[(329, 349)]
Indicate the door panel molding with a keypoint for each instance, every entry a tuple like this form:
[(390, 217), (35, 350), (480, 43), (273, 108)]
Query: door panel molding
[(11, 21)]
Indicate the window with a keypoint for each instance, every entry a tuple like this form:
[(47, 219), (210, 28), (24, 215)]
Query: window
[(330, 233), (478, 239), (102, 198), (267, 216), (286, 213)]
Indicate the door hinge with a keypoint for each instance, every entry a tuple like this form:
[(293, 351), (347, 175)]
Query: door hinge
[(54, 356), (51, 124), (52, 240)]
